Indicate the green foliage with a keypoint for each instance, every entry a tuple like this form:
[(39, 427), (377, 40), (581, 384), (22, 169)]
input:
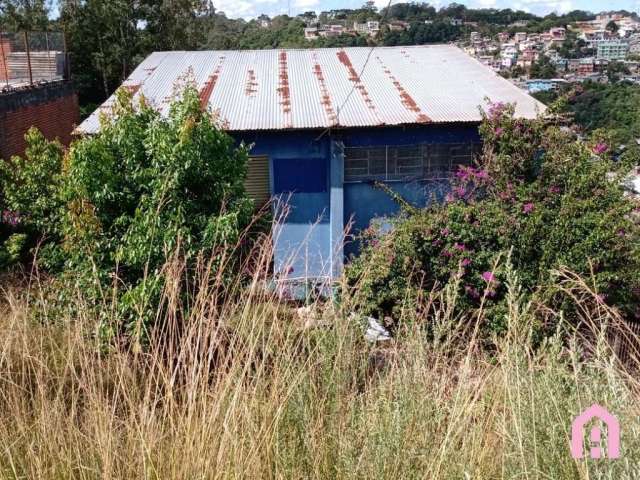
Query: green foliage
[(421, 33), (543, 68), (539, 196), (146, 187), (31, 191), (615, 69), (20, 15), (615, 108)]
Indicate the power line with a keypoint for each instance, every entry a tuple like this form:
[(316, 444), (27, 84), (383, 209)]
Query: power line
[(364, 67)]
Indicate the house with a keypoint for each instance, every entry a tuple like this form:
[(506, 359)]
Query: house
[(545, 85), (558, 34), (35, 90), (528, 57), (322, 132), (371, 27), (613, 50), (398, 26), (520, 37), (264, 21), (586, 66), (311, 33), (332, 30)]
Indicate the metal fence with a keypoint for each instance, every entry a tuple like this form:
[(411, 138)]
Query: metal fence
[(31, 58)]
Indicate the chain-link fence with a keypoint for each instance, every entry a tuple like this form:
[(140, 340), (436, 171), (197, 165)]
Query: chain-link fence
[(29, 58)]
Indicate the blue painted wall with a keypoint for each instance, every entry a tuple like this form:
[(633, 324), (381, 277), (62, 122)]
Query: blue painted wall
[(309, 241)]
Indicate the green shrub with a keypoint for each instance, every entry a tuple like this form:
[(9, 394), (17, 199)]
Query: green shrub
[(32, 204), (538, 195), (143, 188)]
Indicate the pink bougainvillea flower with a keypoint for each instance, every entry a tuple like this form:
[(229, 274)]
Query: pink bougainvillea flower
[(471, 291), (482, 174), (528, 207), (498, 131), (600, 148), (466, 262), (488, 277), (460, 246), (496, 110), (460, 191), (445, 231), (446, 253), (554, 189)]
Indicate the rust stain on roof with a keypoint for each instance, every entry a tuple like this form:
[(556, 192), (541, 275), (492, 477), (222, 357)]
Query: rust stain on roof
[(210, 84), (407, 100), (251, 87), (283, 88), (133, 89), (355, 78), (324, 90)]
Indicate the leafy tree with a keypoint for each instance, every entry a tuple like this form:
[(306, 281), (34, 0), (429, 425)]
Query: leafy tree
[(614, 108), (143, 189), (104, 44), (615, 69), (24, 15), (543, 68), (612, 27)]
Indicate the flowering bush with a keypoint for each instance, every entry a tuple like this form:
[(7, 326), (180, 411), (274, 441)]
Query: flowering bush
[(537, 195)]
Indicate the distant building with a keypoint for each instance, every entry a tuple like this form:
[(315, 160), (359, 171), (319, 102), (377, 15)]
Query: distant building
[(332, 30), (586, 66), (398, 26), (371, 28), (456, 22), (520, 37), (558, 34), (311, 33), (613, 50), (545, 85), (264, 21), (527, 58)]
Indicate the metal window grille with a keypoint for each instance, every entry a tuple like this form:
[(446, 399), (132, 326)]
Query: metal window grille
[(401, 163)]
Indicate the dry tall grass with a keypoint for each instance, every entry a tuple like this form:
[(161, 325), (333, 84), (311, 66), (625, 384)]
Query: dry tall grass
[(242, 388)]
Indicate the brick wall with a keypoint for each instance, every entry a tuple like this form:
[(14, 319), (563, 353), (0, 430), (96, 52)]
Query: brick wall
[(53, 108), (5, 47)]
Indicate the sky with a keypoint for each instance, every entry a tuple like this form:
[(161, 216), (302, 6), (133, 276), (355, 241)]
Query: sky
[(253, 8)]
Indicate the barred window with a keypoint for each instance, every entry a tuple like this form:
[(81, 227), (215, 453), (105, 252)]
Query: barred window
[(412, 162)]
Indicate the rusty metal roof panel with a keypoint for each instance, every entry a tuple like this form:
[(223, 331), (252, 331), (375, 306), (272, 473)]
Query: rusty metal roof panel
[(304, 89)]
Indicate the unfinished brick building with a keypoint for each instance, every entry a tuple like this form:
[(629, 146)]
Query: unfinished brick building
[(35, 90)]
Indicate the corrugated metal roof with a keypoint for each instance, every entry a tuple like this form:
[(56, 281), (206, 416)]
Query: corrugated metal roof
[(300, 89)]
